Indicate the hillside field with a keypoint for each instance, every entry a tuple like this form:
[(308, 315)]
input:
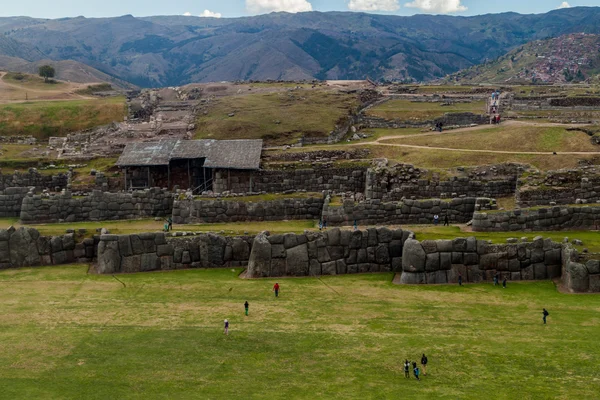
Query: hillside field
[(67, 334)]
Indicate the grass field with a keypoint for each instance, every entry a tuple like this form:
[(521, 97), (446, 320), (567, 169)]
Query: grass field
[(416, 111), (16, 87), (58, 118), (67, 334), (278, 118), (509, 138)]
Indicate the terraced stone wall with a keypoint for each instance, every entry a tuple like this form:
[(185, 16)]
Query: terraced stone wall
[(10, 201), (215, 211), (580, 273), (34, 179), (332, 252), (99, 206)]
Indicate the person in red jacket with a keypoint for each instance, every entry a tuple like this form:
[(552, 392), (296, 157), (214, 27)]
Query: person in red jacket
[(276, 289)]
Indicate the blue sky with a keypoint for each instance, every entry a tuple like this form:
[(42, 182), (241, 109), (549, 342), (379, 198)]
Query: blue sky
[(236, 8)]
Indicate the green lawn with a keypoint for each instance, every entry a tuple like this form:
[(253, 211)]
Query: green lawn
[(69, 335)]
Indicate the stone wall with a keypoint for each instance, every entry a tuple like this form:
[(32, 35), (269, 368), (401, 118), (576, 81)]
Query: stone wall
[(34, 179), (449, 119), (213, 211), (405, 181), (154, 251), (373, 212), (333, 252), (585, 189), (580, 274), (310, 180), (442, 261), (98, 206), (25, 247), (10, 201), (543, 219)]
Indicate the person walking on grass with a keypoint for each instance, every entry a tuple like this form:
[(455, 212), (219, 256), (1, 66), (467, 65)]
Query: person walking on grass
[(436, 219), (416, 370), (424, 364), (170, 222), (545, 313), (407, 369), (496, 280), (276, 289), (446, 220), (459, 279), (226, 330), (504, 283), (246, 306)]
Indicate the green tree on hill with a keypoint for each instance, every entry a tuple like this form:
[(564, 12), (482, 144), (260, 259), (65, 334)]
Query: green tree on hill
[(46, 72)]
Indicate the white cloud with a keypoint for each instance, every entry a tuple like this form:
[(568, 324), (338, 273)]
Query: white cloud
[(210, 14), (374, 5), (187, 14), (438, 6), (267, 6), (564, 4)]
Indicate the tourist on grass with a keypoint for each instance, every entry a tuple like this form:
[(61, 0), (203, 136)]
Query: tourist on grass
[(545, 313), (496, 280), (416, 371), (170, 222), (320, 224), (436, 219), (324, 223), (246, 306), (424, 364), (226, 331), (276, 289), (446, 220), (459, 279), (407, 369), (504, 283)]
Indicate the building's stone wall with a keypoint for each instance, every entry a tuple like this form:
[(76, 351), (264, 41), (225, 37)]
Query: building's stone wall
[(34, 179), (154, 251), (443, 261), (310, 180), (213, 211), (373, 212), (10, 201), (332, 252), (543, 219), (580, 274), (25, 247), (98, 206)]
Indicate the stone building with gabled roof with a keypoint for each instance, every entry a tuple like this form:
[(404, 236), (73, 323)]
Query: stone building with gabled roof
[(187, 164)]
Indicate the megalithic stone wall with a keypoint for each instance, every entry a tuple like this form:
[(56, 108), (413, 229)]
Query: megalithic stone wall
[(34, 179), (11, 200), (580, 274), (99, 206), (230, 210), (442, 261), (154, 251), (331, 252), (25, 247), (542, 219)]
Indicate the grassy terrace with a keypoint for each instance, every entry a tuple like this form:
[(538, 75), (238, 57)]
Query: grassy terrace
[(58, 118), (417, 111), (67, 334), (278, 118)]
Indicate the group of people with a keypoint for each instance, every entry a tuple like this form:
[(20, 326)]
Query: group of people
[(415, 368), (247, 309), (439, 126), (495, 118), (436, 220)]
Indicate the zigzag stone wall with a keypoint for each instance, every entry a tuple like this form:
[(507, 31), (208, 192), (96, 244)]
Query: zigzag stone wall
[(580, 275), (99, 206), (214, 211), (543, 219), (332, 252), (10, 201), (25, 247), (34, 179), (154, 251), (442, 261)]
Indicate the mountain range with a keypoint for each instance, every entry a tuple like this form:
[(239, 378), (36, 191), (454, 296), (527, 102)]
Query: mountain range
[(175, 50)]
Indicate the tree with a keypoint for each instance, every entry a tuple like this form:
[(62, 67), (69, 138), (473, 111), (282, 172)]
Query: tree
[(46, 72)]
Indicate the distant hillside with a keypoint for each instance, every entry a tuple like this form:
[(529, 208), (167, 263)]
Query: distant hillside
[(566, 59), (70, 71), (175, 50)]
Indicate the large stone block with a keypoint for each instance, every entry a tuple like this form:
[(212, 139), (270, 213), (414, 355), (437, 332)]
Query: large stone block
[(437, 277), (297, 260), (593, 267), (131, 264), (474, 274), (382, 255), (412, 278), (166, 250), (456, 271), (470, 259), (578, 279), (540, 272), (488, 261), (594, 283), (150, 262), (259, 263), (432, 262), (413, 256), (314, 268), (109, 258)]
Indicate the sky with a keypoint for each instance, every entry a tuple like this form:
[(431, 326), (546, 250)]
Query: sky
[(237, 8)]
